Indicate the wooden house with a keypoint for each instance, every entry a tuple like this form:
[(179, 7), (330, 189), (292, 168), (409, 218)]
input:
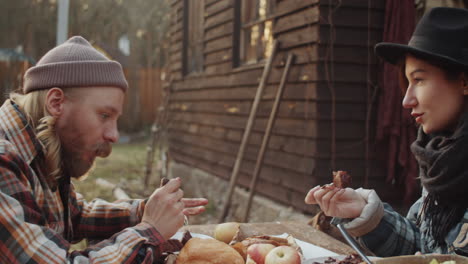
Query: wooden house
[(326, 118), (13, 64)]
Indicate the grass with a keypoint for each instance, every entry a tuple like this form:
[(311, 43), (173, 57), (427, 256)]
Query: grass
[(125, 167)]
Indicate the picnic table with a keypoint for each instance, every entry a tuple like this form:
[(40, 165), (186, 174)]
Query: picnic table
[(298, 230)]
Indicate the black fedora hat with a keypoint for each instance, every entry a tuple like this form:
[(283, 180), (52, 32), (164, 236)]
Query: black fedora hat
[(441, 35)]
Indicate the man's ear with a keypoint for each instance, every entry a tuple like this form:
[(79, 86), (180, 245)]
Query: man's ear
[(54, 101)]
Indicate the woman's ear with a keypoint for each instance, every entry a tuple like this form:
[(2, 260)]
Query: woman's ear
[(464, 83), (54, 101)]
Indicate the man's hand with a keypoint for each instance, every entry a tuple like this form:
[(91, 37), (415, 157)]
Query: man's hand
[(337, 202), (165, 208), (194, 206)]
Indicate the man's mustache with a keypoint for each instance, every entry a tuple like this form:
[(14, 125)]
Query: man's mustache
[(103, 150)]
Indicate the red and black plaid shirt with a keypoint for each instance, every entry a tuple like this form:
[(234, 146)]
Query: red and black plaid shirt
[(32, 226)]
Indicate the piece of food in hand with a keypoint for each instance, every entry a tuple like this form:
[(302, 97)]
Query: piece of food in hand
[(208, 251), (283, 255), (226, 231), (341, 179), (164, 181), (256, 253)]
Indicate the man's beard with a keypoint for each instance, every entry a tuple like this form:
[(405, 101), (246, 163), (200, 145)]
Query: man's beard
[(77, 168)]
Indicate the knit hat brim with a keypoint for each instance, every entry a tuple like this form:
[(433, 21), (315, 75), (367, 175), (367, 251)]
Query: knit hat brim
[(75, 63), (76, 74)]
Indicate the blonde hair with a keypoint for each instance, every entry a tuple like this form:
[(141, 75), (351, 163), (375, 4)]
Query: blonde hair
[(33, 105)]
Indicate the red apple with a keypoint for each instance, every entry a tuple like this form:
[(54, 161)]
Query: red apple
[(256, 253), (283, 255)]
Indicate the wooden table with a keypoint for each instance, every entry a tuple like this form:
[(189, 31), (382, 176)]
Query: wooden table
[(298, 230)]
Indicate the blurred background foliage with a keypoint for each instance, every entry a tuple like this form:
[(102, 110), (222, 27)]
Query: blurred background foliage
[(29, 26)]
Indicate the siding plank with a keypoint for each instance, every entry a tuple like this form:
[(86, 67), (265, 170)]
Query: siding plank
[(301, 128), (227, 141), (273, 158), (287, 6), (210, 2), (218, 44), (299, 37), (351, 36), (355, 17), (220, 68), (287, 109), (218, 56), (219, 31), (235, 79), (218, 7), (302, 18), (219, 18), (345, 92), (376, 4)]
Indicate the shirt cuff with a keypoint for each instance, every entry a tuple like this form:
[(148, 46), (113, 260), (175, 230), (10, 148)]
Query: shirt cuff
[(149, 232), (370, 216)]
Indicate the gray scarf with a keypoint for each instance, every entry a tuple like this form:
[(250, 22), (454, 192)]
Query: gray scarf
[(443, 166)]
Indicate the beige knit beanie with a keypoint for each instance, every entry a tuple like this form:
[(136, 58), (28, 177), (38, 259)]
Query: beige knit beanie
[(74, 63)]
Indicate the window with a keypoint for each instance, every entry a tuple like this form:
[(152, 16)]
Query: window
[(254, 27), (193, 36)]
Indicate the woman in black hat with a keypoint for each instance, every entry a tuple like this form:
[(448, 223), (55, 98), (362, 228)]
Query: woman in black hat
[(434, 71)]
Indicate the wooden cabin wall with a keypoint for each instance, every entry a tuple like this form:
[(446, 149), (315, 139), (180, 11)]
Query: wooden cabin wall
[(209, 110), (348, 72)]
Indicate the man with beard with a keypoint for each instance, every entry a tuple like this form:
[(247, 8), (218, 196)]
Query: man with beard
[(65, 117)]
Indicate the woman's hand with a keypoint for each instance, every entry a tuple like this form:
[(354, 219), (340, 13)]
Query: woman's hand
[(337, 202), (165, 208)]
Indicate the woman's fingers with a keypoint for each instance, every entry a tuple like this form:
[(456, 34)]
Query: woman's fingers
[(318, 194), (310, 199), (325, 204), (328, 197)]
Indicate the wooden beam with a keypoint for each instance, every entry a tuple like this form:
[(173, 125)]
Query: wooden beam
[(246, 136), (266, 138)]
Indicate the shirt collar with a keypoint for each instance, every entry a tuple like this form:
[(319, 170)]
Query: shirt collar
[(18, 131)]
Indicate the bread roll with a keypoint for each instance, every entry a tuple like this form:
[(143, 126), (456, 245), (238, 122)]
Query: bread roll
[(208, 251)]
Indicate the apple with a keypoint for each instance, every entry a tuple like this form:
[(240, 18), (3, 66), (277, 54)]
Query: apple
[(226, 231), (256, 253), (283, 255)]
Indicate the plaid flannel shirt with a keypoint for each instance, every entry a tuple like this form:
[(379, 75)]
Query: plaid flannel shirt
[(397, 235), (32, 226)]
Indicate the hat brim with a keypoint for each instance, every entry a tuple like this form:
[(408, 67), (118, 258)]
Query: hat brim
[(393, 53)]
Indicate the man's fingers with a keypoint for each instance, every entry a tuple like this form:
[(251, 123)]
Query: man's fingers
[(173, 185), (192, 202), (194, 210)]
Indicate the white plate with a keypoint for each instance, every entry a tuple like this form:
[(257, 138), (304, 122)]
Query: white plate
[(322, 259), (309, 250), (179, 235)]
